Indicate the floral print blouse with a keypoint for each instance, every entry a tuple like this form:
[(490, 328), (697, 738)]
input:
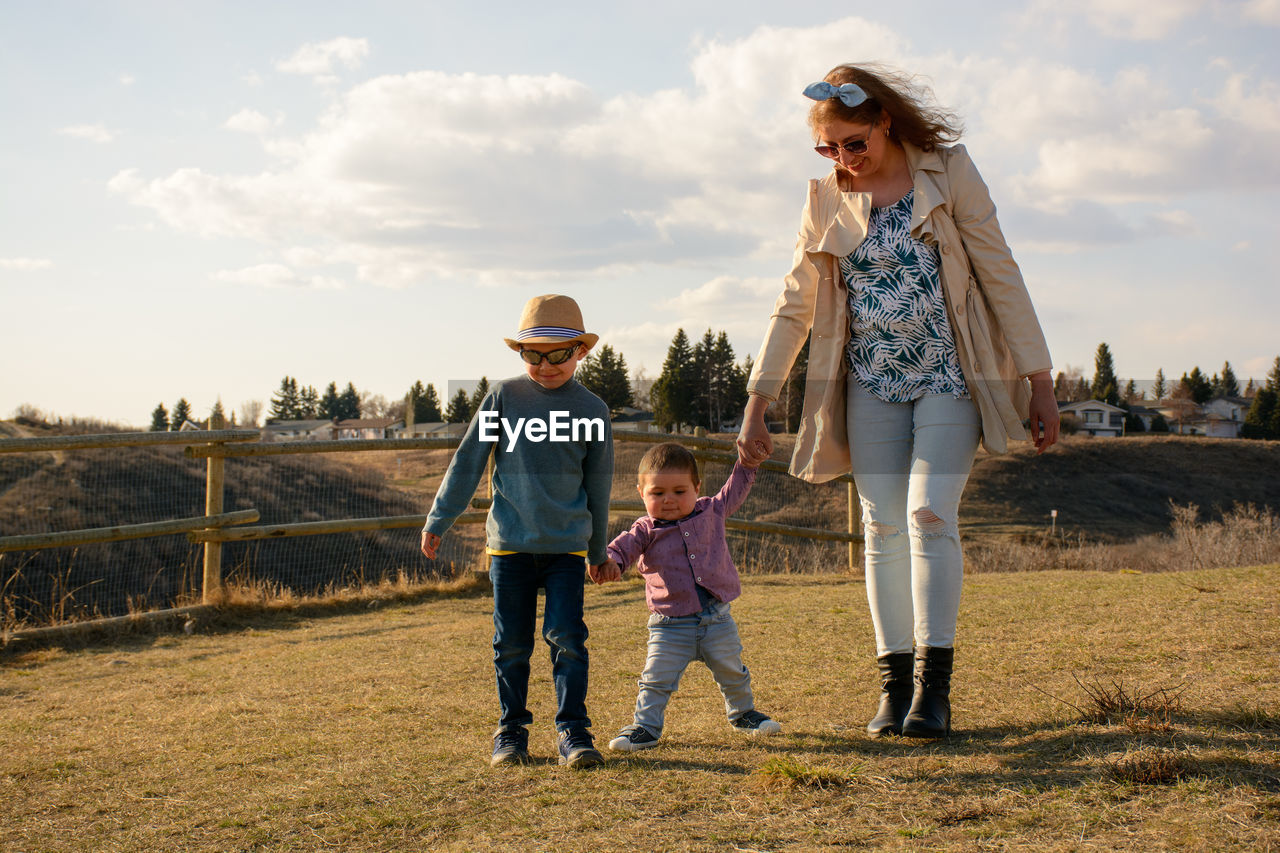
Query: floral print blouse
[(900, 343)]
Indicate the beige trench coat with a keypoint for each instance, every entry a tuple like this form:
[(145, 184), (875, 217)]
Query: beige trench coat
[(998, 338)]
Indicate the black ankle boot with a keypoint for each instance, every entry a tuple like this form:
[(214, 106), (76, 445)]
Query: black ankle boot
[(930, 714), (895, 694)]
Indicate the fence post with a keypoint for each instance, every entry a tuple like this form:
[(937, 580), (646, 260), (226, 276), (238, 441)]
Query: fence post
[(855, 521), (701, 432), (212, 588)]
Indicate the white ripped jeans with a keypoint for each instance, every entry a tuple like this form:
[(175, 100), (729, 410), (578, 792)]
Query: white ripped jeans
[(910, 464)]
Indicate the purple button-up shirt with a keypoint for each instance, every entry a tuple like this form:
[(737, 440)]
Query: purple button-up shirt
[(673, 556)]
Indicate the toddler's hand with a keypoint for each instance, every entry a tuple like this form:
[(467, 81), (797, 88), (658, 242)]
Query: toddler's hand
[(430, 544), (759, 453), (605, 572)]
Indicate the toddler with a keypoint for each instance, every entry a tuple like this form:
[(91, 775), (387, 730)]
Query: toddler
[(689, 580)]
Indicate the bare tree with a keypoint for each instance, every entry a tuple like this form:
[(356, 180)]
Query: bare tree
[(640, 385), (250, 411), (372, 405)]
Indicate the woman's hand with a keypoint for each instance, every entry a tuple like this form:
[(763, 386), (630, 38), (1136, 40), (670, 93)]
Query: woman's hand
[(754, 443), (430, 544), (1044, 411)]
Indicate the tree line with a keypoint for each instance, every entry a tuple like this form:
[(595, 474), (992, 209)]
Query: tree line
[(1261, 421)]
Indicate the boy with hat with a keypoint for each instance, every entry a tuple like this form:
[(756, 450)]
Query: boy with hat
[(553, 472)]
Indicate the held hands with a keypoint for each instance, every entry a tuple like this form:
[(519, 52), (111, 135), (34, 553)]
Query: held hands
[(754, 442), (430, 544), (604, 572)]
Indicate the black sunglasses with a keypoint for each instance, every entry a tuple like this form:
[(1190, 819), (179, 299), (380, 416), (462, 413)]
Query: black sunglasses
[(555, 356)]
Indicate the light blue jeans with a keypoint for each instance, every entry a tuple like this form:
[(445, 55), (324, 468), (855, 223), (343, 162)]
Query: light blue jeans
[(910, 464), (674, 642)]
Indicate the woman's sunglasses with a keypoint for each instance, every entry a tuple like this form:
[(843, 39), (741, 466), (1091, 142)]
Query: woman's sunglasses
[(555, 356), (857, 146)]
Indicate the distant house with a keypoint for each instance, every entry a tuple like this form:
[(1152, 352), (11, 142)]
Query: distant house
[(1221, 417), (1096, 417), (189, 425), (631, 420), (312, 430), (354, 428), (1144, 414), (1224, 416), (428, 429)]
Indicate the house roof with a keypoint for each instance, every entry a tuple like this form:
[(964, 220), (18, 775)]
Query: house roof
[(295, 425), (1096, 405), (367, 423)]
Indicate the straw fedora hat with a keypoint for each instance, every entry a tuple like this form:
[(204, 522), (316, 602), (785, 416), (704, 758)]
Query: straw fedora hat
[(551, 319)]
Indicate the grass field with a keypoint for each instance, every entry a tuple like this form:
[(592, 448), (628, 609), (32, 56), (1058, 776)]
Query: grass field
[(370, 730)]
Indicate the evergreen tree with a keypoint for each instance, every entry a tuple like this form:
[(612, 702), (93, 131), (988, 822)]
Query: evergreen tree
[(181, 414), (309, 403), (730, 381), (1159, 424), (348, 403), (1105, 385), (328, 406), (672, 393), (1131, 392), (1060, 389), (477, 396), (1159, 389), (1198, 388), (285, 402), (1249, 390), (160, 419), (604, 373), (1263, 417), (459, 411), (217, 415), (429, 407)]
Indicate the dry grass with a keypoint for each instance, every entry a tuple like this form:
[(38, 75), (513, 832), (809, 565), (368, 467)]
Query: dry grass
[(282, 729)]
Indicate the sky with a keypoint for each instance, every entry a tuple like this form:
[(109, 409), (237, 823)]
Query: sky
[(200, 198)]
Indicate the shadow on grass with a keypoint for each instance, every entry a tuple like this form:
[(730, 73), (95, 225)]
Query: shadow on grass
[(1241, 748), (239, 614)]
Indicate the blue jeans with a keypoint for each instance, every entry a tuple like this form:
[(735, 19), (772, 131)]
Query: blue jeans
[(516, 579), (674, 641), (910, 464)]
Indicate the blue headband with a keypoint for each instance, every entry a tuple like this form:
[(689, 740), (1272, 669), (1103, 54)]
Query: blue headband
[(850, 94)]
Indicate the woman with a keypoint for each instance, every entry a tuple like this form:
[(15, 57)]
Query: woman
[(923, 341)]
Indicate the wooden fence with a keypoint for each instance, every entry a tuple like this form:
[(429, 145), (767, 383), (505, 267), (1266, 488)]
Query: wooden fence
[(216, 527)]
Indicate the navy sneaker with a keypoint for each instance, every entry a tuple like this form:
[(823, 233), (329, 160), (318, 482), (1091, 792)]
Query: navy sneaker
[(510, 746), (578, 750), (632, 739), (755, 724)]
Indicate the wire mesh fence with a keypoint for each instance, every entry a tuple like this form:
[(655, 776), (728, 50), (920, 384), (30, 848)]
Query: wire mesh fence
[(52, 491)]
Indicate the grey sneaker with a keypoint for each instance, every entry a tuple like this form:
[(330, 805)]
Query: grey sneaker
[(510, 746), (578, 750), (755, 724), (632, 739)]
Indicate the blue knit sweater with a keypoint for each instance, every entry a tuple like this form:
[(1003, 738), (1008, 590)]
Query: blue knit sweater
[(553, 470)]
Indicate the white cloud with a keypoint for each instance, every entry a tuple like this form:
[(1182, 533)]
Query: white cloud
[(93, 132), (276, 276), (249, 121), (317, 59), (1141, 20), (25, 264), (127, 79), (425, 176), (1262, 12)]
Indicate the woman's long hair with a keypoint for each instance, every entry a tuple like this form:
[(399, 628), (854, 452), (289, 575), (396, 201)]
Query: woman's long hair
[(915, 118)]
